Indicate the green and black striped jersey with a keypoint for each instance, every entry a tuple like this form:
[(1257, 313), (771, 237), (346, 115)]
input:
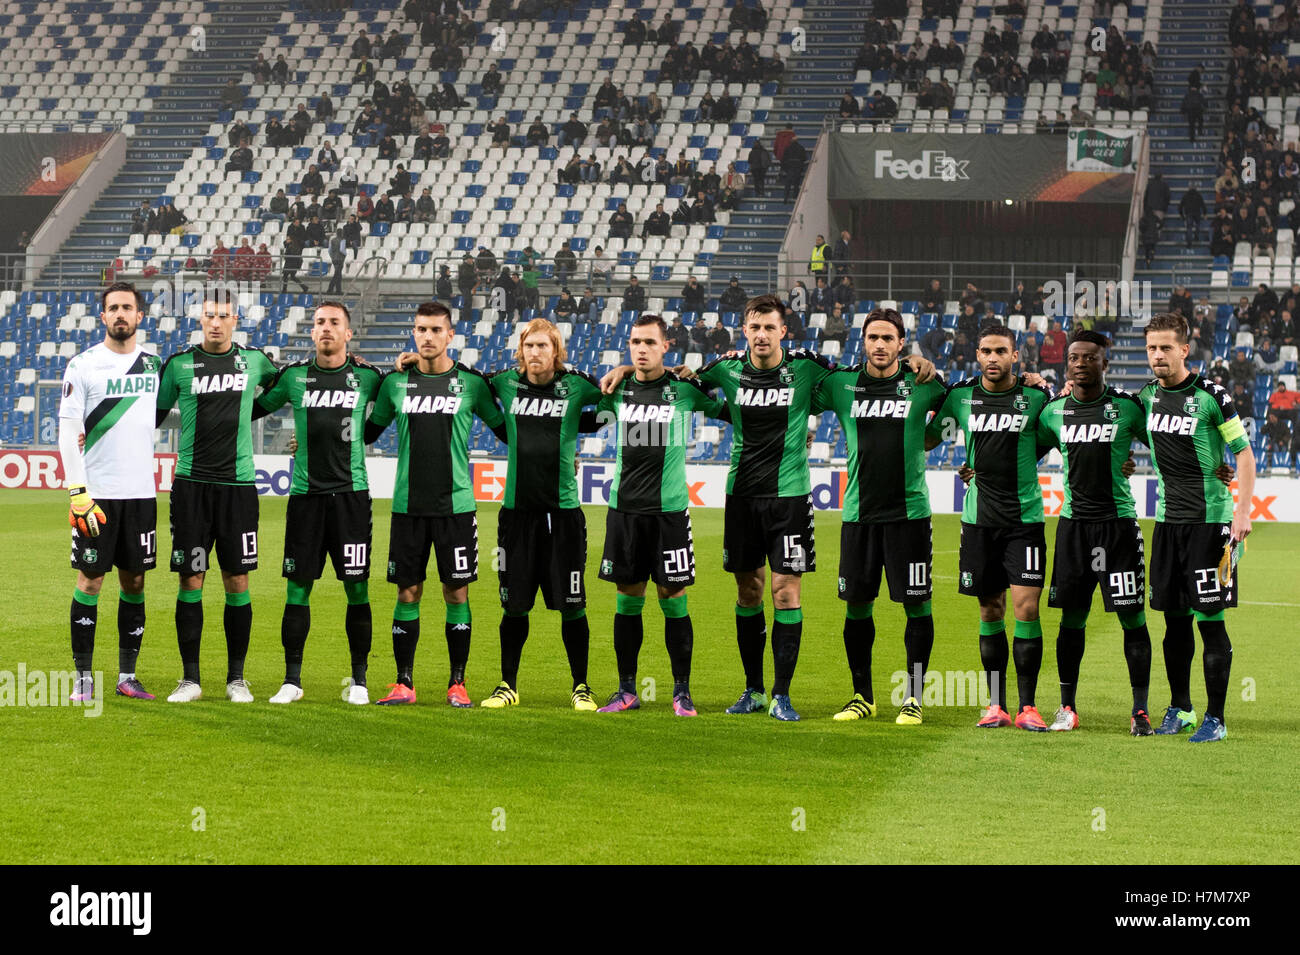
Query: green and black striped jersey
[(1095, 438), (884, 423), (434, 415), (1001, 429), (654, 420), (329, 416), (542, 424), (769, 411), (214, 394), (1189, 427)]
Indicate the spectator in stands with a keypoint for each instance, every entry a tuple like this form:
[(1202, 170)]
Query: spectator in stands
[(1149, 235), (300, 124), (759, 160), (361, 45), (1052, 354), (425, 208), (400, 182), (1193, 110), (849, 107), (331, 208), (566, 263), (679, 336), (1277, 434), (699, 336), (232, 95), (423, 145), (634, 296), (843, 253), (962, 357), (794, 330), (327, 159), (347, 181), (694, 296), (572, 133), (969, 320), (364, 74), (316, 233), (657, 223), (1265, 299), (1222, 243), (589, 305), (588, 169), (634, 31), (538, 134), (529, 278), (836, 328), (733, 297), (932, 344), (280, 70), (466, 282), (241, 160), (1157, 196), (1241, 368), (313, 184), (324, 108), (1283, 330), (702, 209), (623, 173), (507, 296), (486, 264), (365, 208), (1019, 302), (845, 294), (793, 159), (388, 148), (600, 267), (405, 209), (241, 261), (500, 134), (1284, 403), (276, 133), (143, 220), (261, 70), (1192, 208), (728, 200), (1030, 359), (291, 262), (239, 132), (1181, 302), (720, 340), (819, 260), (822, 298), (1242, 401), (620, 223), (441, 144), (879, 106), (352, 232), (932, 299)]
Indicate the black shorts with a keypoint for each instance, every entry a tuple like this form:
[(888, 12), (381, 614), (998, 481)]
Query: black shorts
[(206, 514), (337, 525), (1089, 553), (994, 558), (453, 538), (902, 549), (546, 549), (1184, 568), (127, 540), (641, 547), (778, 530)]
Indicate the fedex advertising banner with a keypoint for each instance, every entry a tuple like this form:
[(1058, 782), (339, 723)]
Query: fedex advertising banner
[(1275, 498)]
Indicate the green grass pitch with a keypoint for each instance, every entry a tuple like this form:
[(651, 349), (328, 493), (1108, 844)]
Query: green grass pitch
[(321, 781)]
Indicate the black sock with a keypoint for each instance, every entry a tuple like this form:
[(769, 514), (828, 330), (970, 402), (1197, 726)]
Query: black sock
[(1069, 655), (918, 638), (1216, 658), (238, 621), (993, 657), (1137, 652), (358, 626), (1028, 654), (514, 633), (628, 634), (406, 634), (577, 642), (293, 637), (130, 634), (859, 635), (751, 637), (1179, 647), (458, 635), (785, 654), (82, 621), (679, 638), (189, 636)]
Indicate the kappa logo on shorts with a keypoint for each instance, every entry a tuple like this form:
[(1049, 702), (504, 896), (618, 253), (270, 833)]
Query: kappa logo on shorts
[(606, 566), (967, 578), (90, 555), (289, 565)]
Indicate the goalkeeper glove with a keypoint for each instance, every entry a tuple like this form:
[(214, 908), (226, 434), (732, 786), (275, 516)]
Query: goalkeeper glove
[(85, 515)]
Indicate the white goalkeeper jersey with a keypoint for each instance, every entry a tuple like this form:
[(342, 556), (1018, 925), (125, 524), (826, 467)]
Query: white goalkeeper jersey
[(113, 400)]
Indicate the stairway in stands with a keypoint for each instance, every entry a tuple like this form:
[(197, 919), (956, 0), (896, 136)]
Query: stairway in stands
[(1192, 33), (815, 79), (163, 138)]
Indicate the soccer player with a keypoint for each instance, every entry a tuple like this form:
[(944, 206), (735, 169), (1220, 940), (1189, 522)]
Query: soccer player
[(434, 403), (213, 499), (329, 498), (883, 409), (1193, 569), (1098, 540), (648, 526), (109, 394), (541, 530), (1002, 539)]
